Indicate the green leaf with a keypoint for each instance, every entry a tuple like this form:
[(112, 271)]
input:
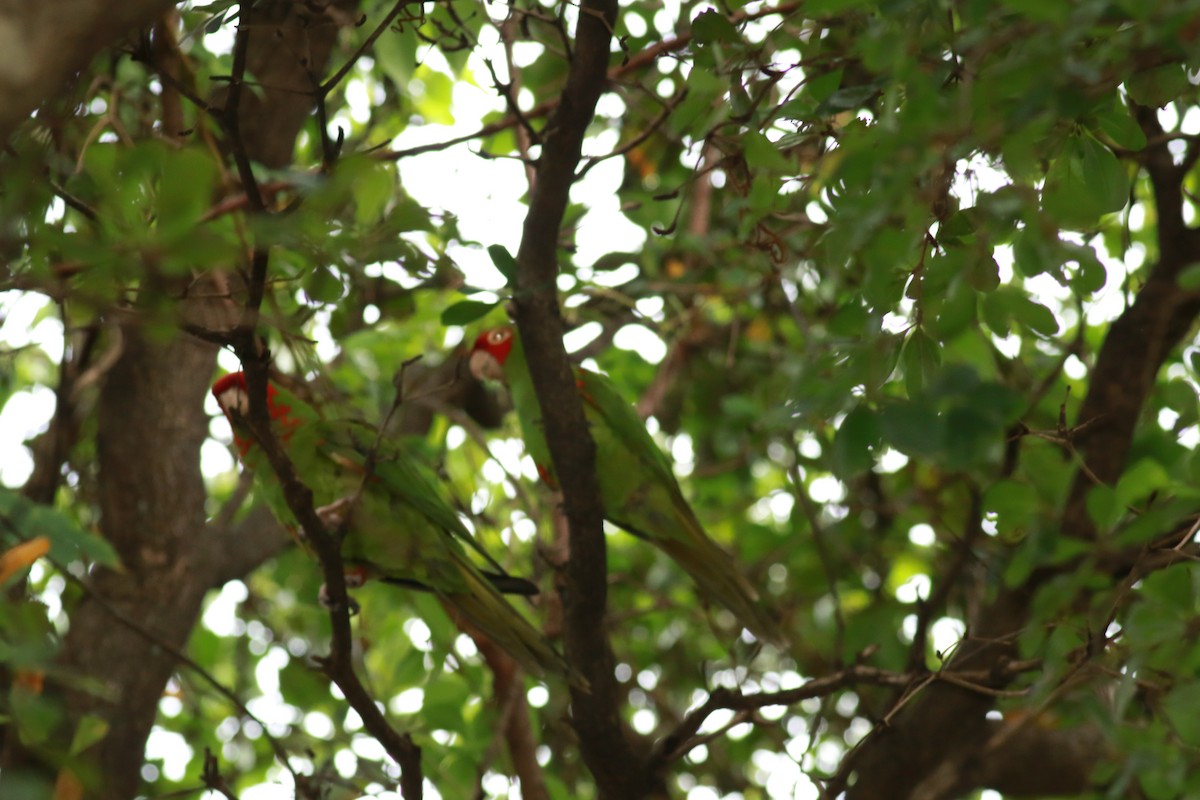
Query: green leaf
[(373, 189), (1180, 705), (464, 312), (856, 438), (504, 262), (922, 357), (955, 312), (185, 189), (848, 98), (444, 702), (1032, 254), (1157, 87), (90, 730), (1103, 508), (1034, 315), (1115, 122), (761, 153), (1140, 481), (1091, 275), (983, 273), (1015, 504), (68, 540), (913, 428), (711, 26), (1173, 587), (433, 103), (323, 286), (1189, 277), (1084, 182)]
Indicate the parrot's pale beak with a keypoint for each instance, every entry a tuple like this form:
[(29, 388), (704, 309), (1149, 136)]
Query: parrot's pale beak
[(234, 400), (484, 366)]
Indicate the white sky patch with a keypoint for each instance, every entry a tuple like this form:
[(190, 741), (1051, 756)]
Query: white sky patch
[(809, 446), (897, 323), (25, 415), (509, 453), (641, 340), (1189, 437), (945, 633), (582, 336), (683, 453), (318, 724), (651, 308), (172, 749), (537, 696), (1009, 346), (913, 589), (215, 458), (419, 634), (409, 701), (221, 615), (266, 671), (781, 504), (18, 310), (826, 489), (921, 535), (282, 789), (617, 277), (892, 461)]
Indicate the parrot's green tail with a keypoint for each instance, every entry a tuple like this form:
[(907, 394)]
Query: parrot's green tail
[(486, 609), (717, 575)]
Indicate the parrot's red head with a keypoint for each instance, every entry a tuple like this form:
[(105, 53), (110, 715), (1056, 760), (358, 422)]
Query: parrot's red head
[(234, 399), (490, 352)]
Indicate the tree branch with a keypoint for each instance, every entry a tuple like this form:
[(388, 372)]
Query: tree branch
[(620, 770)]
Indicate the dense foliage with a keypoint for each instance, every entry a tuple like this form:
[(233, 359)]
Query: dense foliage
[(906, 289)]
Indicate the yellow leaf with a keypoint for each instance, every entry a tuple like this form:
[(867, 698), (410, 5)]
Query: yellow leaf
[(22, 555), (68, 786), (30, 680)]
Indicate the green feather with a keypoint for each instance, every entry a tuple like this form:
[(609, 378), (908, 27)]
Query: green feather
[(401, 528), (639, 489)]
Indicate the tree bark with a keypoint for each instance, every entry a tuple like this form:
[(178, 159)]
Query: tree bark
[(151, 422), (43, 45)]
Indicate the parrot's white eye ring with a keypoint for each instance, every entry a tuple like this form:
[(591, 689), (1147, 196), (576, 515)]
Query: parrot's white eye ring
[(498, 336)]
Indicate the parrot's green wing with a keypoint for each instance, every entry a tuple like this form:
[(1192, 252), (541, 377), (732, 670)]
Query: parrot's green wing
[(638, 488), (407, 477), (401, 528), (619, 415), (641, 494)]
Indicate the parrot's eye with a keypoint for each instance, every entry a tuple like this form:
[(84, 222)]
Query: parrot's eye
[(498, 336)]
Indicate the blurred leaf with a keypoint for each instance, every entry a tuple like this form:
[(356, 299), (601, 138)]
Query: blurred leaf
[(711, 26), (1157, 87), (504, 262), (90, 730), (20, 556), (922, 357), (464, 312), (1180, 706), (1084, 182), (856, 438)]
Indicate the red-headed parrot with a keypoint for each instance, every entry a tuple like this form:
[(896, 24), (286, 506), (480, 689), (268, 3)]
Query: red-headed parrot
[(398, 527), (637, 483)]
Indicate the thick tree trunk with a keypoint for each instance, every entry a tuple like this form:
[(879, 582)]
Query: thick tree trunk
[(150, 419), (152, 507)]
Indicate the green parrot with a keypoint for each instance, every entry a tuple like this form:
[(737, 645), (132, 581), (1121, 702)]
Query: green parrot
[(398, 528), (637, 483)]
